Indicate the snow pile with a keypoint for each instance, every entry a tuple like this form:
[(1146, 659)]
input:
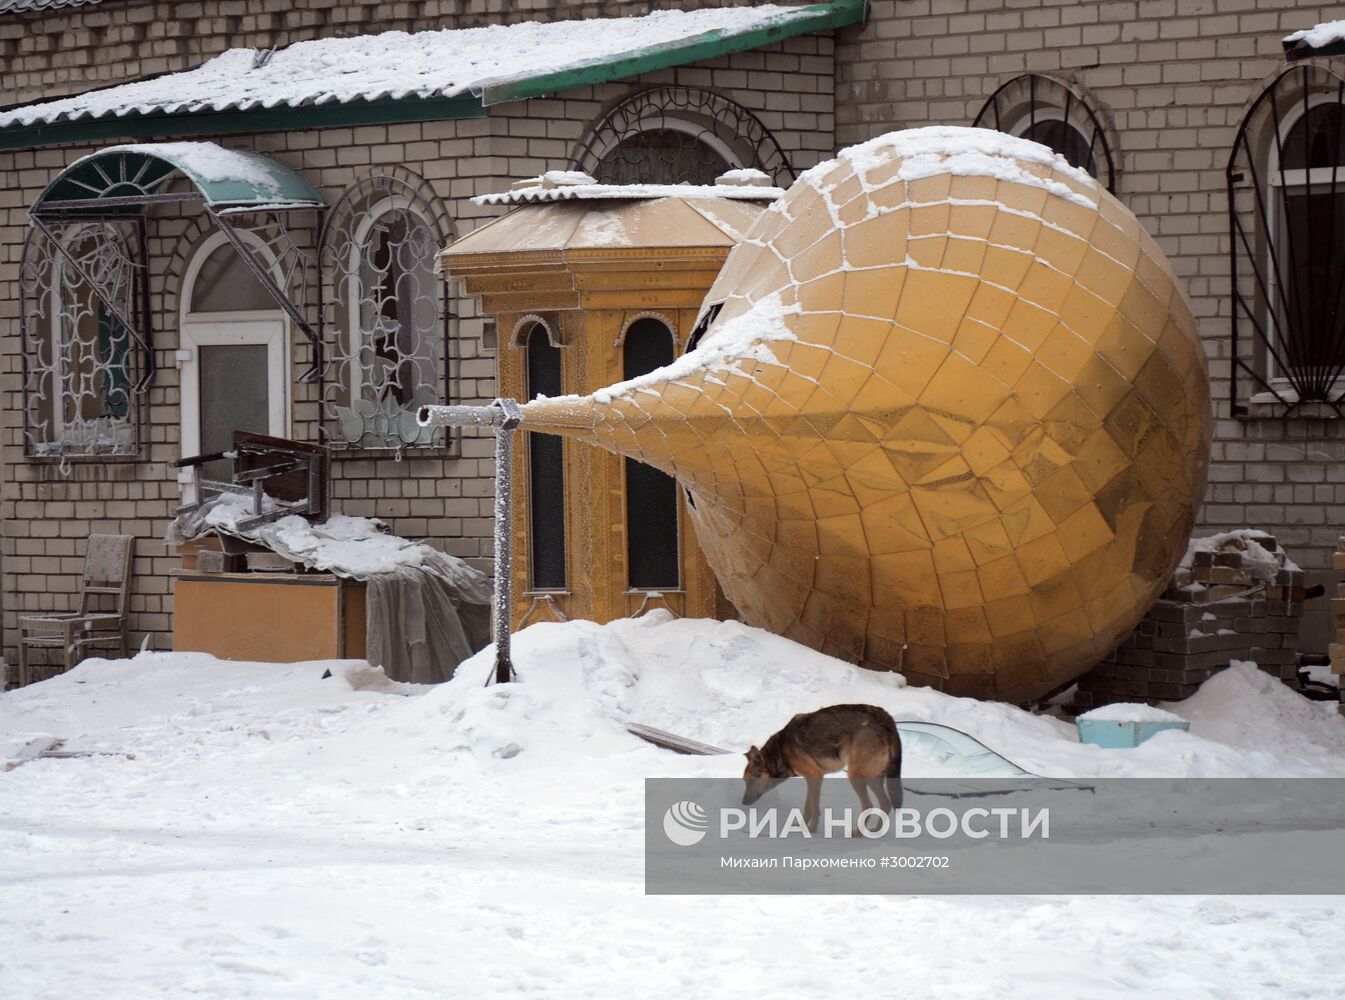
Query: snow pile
[(396, 65), (1131, 712), (730, 685), (962, 152), (1318, 36), (274, 833)]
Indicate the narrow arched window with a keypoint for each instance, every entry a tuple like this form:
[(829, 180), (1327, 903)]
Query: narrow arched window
[(1046, 111), (652, 558), (546, 470), (1286, 187)]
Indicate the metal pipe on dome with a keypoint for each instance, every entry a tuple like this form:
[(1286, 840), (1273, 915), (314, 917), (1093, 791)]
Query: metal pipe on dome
[(504, 416)]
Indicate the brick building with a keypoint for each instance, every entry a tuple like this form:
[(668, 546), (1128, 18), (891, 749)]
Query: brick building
[(1170, 103), (394, 175)]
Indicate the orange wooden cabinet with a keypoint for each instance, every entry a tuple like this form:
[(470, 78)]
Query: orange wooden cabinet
[(269, 617)]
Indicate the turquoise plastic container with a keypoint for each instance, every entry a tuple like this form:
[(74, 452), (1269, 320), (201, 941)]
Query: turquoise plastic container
[(1122, 735)]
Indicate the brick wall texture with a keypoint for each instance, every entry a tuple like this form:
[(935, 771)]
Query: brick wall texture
[(1170, 79), (49, 509)]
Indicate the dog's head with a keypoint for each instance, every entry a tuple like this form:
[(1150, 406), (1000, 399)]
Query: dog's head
[(756, 777)]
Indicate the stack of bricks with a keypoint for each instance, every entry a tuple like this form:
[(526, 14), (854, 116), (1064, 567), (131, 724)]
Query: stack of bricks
[(1338, 623), (1226, 606)]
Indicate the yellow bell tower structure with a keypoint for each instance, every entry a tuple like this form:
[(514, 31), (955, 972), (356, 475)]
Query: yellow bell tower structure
[(592, 285)]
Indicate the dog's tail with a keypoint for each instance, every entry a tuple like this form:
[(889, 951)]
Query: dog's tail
[(892, 777)]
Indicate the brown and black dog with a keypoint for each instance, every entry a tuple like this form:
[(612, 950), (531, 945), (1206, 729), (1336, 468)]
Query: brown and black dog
[(862, 740)]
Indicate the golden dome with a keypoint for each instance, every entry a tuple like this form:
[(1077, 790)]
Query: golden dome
[(952, 418)]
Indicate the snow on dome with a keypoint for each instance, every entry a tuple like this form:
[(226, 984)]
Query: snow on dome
[(965, 152), (395, 65)]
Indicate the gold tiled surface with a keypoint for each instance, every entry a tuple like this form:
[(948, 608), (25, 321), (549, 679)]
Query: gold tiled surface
[(979, 461)]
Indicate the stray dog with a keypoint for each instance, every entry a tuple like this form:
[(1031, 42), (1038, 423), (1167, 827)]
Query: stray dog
[(861, 739)]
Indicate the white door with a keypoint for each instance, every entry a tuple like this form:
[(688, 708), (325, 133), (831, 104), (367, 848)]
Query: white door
[(233, 379), (233, 355)]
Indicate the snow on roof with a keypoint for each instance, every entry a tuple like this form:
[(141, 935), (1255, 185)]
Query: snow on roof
[(1318, 36), (628, 192), (223, 176), (427, 64)]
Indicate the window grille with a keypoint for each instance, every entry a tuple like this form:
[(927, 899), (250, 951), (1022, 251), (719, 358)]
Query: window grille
[(82, 283), (1286, 202), (1046, 111), (675, 135), (385, 315)]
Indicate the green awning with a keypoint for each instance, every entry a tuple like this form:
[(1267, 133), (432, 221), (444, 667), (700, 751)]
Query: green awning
[(130, 177)]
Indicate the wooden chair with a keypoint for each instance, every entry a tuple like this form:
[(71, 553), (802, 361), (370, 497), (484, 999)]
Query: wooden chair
[(107, 578)]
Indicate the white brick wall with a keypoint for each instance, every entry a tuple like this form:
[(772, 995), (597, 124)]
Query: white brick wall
[(1173, 79), (47, 512)]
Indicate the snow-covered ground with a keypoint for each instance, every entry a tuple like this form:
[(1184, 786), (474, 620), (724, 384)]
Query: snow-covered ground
[(258, 830)]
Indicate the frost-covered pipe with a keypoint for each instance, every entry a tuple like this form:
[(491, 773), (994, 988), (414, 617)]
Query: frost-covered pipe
[(504, 416)]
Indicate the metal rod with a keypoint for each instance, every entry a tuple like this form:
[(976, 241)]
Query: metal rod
[(504, 416), (504, 563)]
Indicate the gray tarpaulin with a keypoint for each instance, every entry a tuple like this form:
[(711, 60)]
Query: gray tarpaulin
[(421, 625), (425, 611)]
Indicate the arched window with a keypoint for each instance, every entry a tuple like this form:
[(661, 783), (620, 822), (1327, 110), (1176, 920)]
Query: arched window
[(1286, 190), (652, 558), (1046, 111), (675, 135), (80, 368), (386, 315), (546, 469)]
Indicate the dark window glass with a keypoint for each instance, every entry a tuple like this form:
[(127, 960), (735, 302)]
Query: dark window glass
[(651, 495), (1316, 140), (661, 156), (1310, 245), (1066, 140), (546, 470), (706, 322), (1312, 260)]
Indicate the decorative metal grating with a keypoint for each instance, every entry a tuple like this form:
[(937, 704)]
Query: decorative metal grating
[(386, 314), (82, 298), (675, 135), (1045, 110), (1286, 207)]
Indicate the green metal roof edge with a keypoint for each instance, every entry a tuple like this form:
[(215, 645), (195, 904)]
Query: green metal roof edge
[(287, 185), (816, 17), (1300, 49), (825, 16), (279, 119)]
